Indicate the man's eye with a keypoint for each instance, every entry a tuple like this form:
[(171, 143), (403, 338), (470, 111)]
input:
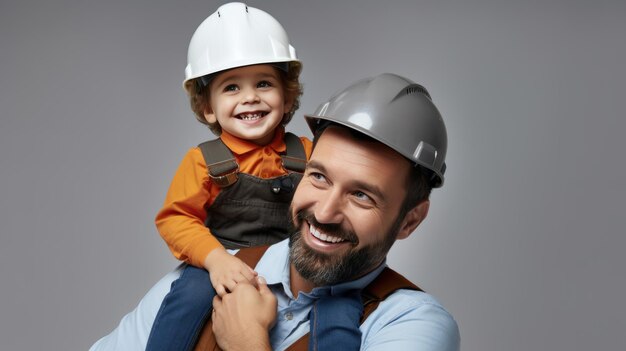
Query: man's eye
[(264, 84), (231, 87), (317, 176), (362, 196)]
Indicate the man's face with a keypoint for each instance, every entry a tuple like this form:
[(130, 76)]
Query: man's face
[(346, 207)]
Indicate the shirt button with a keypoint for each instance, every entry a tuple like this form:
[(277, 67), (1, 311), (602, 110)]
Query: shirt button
[(288, 316), (268, 151)]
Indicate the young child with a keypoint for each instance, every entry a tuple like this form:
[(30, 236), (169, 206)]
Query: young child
[(234, 192)]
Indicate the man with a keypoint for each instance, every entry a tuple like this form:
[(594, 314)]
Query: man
[(380, 146)]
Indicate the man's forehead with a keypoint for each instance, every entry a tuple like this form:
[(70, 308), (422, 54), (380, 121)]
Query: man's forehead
[(335, 134), (335, 138)]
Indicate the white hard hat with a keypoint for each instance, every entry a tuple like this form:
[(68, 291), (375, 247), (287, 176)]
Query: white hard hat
[(236, 35)]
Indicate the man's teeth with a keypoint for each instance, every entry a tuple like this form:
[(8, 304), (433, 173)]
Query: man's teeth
[(251, 116), (324, 237)]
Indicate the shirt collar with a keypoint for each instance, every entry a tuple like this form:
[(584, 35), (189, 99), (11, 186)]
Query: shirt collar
[(240, 146), (274, 267)]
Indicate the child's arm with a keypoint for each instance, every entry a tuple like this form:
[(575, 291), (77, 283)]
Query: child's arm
[(181, 224), (181, 220), (227, 271)]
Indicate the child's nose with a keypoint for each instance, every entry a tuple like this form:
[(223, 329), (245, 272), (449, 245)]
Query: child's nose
[(250, 96)]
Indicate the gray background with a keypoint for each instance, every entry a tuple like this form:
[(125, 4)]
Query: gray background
[(523, 244)]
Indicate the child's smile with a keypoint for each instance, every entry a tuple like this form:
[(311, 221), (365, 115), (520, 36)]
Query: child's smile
[(248, 102), (251, 116)]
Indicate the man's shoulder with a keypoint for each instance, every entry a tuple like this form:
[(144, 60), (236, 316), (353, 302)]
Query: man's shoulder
[(411, 317), (403, 300)]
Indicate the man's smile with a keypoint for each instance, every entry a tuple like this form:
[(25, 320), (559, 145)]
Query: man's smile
[(324, 237)]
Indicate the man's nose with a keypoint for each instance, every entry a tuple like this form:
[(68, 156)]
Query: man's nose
[(330, 208)]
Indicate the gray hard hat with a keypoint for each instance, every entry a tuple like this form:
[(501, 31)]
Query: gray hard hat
[(395, 111)]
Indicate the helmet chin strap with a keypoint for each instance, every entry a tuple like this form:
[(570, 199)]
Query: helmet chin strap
[(204, 81)]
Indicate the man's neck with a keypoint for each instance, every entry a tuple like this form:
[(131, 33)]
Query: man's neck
[(297, 283)]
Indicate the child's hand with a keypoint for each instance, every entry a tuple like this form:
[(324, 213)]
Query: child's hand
[(227, 270)]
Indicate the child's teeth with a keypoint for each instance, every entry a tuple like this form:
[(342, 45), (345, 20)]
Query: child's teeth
[(250, 116)]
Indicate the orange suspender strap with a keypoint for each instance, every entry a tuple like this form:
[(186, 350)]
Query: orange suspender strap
[(251, 255), (384, 285), (387, 282)]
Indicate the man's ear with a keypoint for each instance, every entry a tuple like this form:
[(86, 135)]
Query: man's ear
[(412, 219), (209, 115)]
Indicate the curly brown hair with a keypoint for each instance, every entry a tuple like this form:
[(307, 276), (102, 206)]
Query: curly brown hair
[(199, 95)]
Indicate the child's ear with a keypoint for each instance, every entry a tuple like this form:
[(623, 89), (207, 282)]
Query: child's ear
[(288, 104), (209, 115)]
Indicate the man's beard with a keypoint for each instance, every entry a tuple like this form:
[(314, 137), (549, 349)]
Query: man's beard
[(323, 269)]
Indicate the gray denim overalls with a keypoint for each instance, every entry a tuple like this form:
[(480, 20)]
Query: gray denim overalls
[(251, 211)]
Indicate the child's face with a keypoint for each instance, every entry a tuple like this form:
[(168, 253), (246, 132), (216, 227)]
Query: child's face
[(248, 102)]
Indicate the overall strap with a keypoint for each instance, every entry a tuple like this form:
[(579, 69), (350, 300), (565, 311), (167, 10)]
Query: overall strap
[(223, 167), (387, 282), (220, 162), (251, 255), (295, 158)]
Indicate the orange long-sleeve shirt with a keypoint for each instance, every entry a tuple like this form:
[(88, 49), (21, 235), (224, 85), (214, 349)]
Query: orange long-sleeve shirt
[(181, 220)]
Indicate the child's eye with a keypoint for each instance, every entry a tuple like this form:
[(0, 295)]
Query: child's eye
[(231, 87), (264, 84)]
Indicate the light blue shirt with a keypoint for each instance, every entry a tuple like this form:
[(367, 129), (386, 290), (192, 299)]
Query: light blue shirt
[(406, 320)]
